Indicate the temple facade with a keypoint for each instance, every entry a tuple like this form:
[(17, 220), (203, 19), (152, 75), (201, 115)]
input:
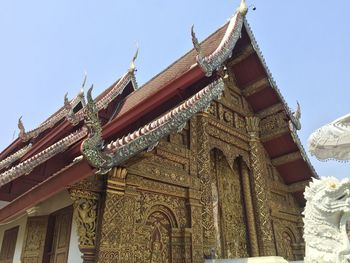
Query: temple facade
[(203, 161)]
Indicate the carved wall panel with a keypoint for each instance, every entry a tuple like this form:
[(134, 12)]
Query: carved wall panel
[(286, 238), (182, 137), (203, 164), (139, 226), (228, 208), (287, 219), (260, 189), (34, 241), (273, 125)]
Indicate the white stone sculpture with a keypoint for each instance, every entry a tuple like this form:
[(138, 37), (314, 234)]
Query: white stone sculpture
[(326, 214), (332, 141)]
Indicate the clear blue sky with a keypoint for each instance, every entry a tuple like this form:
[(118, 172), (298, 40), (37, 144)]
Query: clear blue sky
[(46, 46)]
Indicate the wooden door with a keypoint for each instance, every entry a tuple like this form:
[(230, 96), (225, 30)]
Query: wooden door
[(61, 224), (8, 245)]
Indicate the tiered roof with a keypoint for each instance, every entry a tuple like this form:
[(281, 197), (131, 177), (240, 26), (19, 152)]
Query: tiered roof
[(68, 147)]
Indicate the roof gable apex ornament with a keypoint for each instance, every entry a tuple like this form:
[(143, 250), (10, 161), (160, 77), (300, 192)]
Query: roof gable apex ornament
[(132, 67), (296, 116), (210, 63), (21, 128), (243, 8), (70, 105)]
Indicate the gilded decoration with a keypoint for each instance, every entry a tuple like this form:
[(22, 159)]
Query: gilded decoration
[(228, 208), (287, 236), (260, 189), (249, 209), (139, 225), (85, 215), (203, 159), (273, 124)]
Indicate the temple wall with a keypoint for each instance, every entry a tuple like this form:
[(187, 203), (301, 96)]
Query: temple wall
[(218, 149)]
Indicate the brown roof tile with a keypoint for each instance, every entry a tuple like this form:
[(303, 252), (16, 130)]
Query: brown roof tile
[(173, 71)]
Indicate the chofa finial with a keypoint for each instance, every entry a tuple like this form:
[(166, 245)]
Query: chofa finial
[(243, 8), (21, 126), (132, 66), (195, 41), (81, 93), (296, 115)]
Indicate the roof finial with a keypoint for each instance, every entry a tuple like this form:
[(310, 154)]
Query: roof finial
[(296, 117), (66, 100), (132, 66), (243, 8), (22, 131), (81, 92), (195, 41)]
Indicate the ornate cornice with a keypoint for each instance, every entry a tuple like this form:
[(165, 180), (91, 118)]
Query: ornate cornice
[(14, 157), (105, 158), (28, 165), (213, 61)]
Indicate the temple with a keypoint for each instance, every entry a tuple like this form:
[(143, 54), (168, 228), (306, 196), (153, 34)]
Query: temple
[(202, 161)]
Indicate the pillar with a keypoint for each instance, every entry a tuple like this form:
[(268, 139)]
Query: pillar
[(260, 189)]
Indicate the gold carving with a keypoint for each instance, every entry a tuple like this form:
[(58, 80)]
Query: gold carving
[(229, 223), (251, 224), (286, 238), (116, 180), (274, 125), (85, 216), (240, 123), (260, 172), (206, 184)]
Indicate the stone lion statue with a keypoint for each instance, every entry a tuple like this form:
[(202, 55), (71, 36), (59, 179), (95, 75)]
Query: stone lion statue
[(326, 214)]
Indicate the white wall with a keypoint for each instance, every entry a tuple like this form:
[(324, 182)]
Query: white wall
[(74, 255), (51, 205), (21, 222)]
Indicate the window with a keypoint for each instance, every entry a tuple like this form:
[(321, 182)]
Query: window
[(8, 245)]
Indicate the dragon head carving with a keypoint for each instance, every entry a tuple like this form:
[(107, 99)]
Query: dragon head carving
[(93, 145), (326, 214)]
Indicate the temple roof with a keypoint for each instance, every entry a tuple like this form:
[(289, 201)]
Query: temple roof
[(124, 114)]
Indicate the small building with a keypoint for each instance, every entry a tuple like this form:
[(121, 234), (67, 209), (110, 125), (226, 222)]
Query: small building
[(201, 161)]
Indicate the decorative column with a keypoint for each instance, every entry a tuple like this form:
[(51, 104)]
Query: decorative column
[(260, 189), (195, 208), (203, 166), (85, 205), (118, 220), (254, 247)]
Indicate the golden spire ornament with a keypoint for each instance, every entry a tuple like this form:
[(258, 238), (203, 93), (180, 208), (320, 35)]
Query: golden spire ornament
[(132, 66), (243, 8)]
